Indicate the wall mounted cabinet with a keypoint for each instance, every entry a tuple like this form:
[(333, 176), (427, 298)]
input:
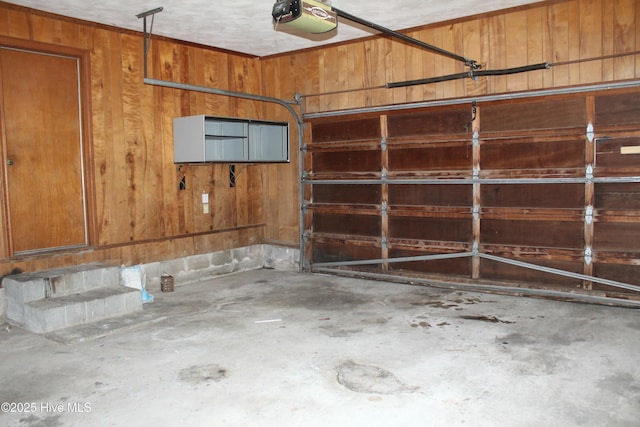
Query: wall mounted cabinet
[(201, 139)]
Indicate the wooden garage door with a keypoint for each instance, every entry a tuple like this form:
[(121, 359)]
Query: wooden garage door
[(537, 193)]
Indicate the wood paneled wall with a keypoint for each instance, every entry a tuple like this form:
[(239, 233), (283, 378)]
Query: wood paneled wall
[(141, 215), (353, 75)]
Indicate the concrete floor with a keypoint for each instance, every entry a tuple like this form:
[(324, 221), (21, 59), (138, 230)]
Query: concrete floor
[(269, 348)]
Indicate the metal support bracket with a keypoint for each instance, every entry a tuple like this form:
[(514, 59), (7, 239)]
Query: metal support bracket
[(147, 35)]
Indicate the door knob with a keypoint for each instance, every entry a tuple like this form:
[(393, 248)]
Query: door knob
[(10, 162)]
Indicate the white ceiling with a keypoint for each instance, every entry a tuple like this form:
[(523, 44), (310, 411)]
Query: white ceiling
[(246, 25)]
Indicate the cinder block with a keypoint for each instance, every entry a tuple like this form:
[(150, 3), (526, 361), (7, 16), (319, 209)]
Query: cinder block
[(110, 275), (226, 268), (92, 277), (44, 316), (281, 258), (95, 309), (13, 288), (114, 305), (250, 263), (23, 290), (132, 300), (198, 262), (15, 311), (174, 266), (221, 258), (76, 313)]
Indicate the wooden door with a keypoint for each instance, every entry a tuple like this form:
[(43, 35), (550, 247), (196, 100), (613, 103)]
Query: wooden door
[(42, 151)]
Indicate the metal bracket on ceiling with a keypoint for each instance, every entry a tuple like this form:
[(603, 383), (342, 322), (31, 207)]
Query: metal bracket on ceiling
[(147, 35)]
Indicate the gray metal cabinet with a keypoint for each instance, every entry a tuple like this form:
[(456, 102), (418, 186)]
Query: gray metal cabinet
[(200, 139)]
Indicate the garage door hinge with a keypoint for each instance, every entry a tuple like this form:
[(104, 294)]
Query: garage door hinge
[(588, 214), (383, 144), (589, 173), (588, 255), (384, 209), (475, 249), (476, 172), (476, 212), (476, 138), (590, 132), (383, 243)]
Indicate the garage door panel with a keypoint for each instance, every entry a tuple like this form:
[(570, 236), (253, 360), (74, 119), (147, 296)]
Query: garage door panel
[(617, 236), (460, 267), (617, 196), (431, 195), (340, 251), (533, 115), (347, 194), (494, 270), (514, 154), (454, 156), (552, 196), (439, 229), (429, 122), (618, 272), (553, 234), (347, 224), (346, 161)]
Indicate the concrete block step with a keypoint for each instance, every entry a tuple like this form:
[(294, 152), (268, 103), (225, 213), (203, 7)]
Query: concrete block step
[(50, 314), (26, 287)]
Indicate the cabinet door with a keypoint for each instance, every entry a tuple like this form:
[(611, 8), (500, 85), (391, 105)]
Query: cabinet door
[(225, 149), (225, 141), (268, 142), (187, 139)]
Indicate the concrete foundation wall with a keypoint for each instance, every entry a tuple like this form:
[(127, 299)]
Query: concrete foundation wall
[(196, 268)]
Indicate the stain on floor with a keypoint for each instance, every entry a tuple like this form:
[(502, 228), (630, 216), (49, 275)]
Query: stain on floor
[(371, 379), (486, 318), (203, 374)]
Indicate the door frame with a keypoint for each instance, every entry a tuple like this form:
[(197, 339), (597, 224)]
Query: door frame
[(84, 73)]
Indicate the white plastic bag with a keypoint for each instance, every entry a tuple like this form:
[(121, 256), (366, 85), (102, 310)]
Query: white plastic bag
[(135, 277)]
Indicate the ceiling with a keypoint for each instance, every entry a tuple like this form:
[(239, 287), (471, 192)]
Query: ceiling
[(246, 26)]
